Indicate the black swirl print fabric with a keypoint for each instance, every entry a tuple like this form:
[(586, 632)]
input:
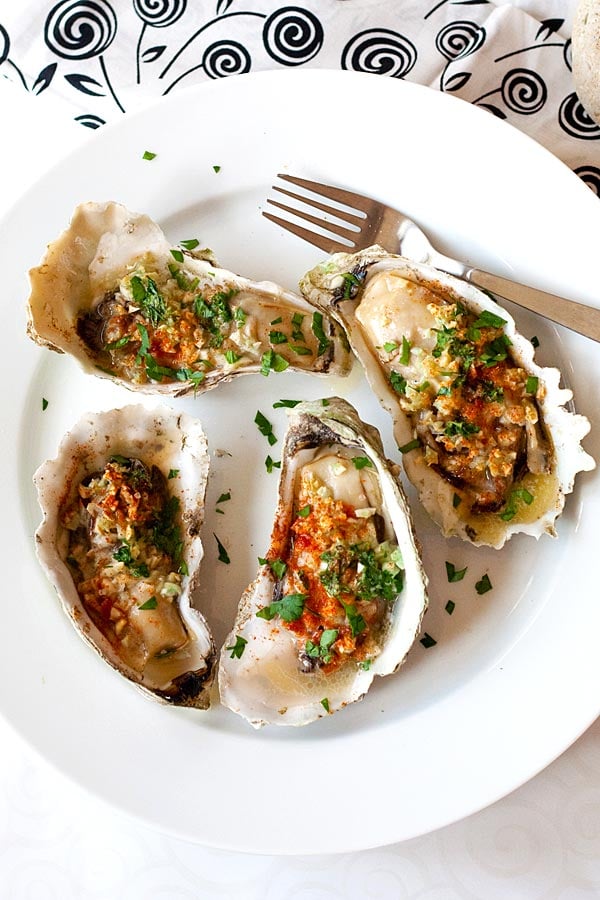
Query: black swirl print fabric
[(107, 57)]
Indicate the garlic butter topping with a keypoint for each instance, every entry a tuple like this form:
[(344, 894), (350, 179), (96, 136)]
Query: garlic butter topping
[(482, 429)]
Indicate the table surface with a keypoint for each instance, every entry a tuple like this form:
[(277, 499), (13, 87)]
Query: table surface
[(542, 841)]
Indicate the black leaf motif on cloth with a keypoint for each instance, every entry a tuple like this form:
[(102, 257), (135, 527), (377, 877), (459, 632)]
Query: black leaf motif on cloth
[(4, 44), (90, 120), (575, 121), (380, 51), (80, 29), (456, 82), (159, 13), (495, 110), (153, 53), (83, 83), (455, 3), (223, 6), (524, 91), (460, 39), (44, 78), (225, 58), (292, 36), (590, 175), (549, 27)]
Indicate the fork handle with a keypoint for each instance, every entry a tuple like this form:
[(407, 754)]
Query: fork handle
[(576, 316)]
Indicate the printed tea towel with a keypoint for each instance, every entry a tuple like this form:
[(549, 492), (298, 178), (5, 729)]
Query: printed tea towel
[(107, 57)]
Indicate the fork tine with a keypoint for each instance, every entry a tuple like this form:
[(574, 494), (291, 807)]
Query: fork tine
[(320, 223), (330, 210), (349, 198), (318, 240)]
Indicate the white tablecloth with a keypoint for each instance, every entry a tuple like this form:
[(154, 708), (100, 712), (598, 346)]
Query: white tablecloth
[(56, 842)]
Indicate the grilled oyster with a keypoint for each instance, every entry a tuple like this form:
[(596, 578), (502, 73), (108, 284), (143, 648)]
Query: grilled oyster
[(340, 596), (122, 506), (483, 429), (126, 304)]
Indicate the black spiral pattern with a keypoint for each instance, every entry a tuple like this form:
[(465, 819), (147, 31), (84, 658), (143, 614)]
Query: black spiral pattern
[(590, 175), (460, 39), (381, 52), (292, 36), (80, 29), (225, 58), (159, 13), (524, 91), (4, 44), (573, 119), (568, 55)]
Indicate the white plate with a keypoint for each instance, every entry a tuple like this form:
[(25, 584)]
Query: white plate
[(513, 678)]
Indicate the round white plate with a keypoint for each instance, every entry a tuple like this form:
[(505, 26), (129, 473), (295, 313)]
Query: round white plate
[(513, 678)]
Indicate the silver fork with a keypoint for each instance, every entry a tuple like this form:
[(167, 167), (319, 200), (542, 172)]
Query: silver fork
[(372, 222)]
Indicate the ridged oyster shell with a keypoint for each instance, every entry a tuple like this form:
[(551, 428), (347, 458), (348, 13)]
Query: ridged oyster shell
[(159, 643), (128, 305), (290, 671), (439, 353)]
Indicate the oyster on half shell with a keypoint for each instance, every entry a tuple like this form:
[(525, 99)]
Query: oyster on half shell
[(128, 305), (122, 507), (340, 596), (484, 432)]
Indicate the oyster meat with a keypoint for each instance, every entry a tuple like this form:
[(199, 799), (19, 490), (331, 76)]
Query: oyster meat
[(122, 507), (483, 429), (128, 305), (340, 595)]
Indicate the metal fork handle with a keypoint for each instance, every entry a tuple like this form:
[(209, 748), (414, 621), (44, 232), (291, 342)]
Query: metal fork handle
[(576, 316)]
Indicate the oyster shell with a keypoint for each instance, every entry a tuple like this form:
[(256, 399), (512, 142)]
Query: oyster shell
[(484, 433), (116, 295), (122, 507), (340, 596)]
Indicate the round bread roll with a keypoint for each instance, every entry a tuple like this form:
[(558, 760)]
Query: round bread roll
[(586, 56)]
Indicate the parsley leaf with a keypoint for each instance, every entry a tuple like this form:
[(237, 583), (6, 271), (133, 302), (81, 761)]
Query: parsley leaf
[(453, 573), (289, 608), (238, 648)]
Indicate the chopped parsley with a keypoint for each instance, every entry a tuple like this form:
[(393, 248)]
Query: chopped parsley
[(483, 585), (238, 648), (44, 404), (450, 606), (288, 404), (355, 620), (271, 360), (460, 428), (488, 319), (147, 296), (390, 346), (398, 382), (535, 341), (123, 554), (512, 506), (223, 555), (270, 464), (322, 650), (405, 352), (277, 337), (531, 385), (289, 608), (173, 473), (265, 427), (325, 704), (224, 497), (305, 511), (453, 573), (177, 255), (319, 333), (361, 462), (148, 155), (190, 244), (428, 641), (412, 445), (216, 169), (152, 603)]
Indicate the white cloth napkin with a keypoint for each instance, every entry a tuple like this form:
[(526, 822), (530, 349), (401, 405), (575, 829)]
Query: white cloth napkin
[(105, 57)]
